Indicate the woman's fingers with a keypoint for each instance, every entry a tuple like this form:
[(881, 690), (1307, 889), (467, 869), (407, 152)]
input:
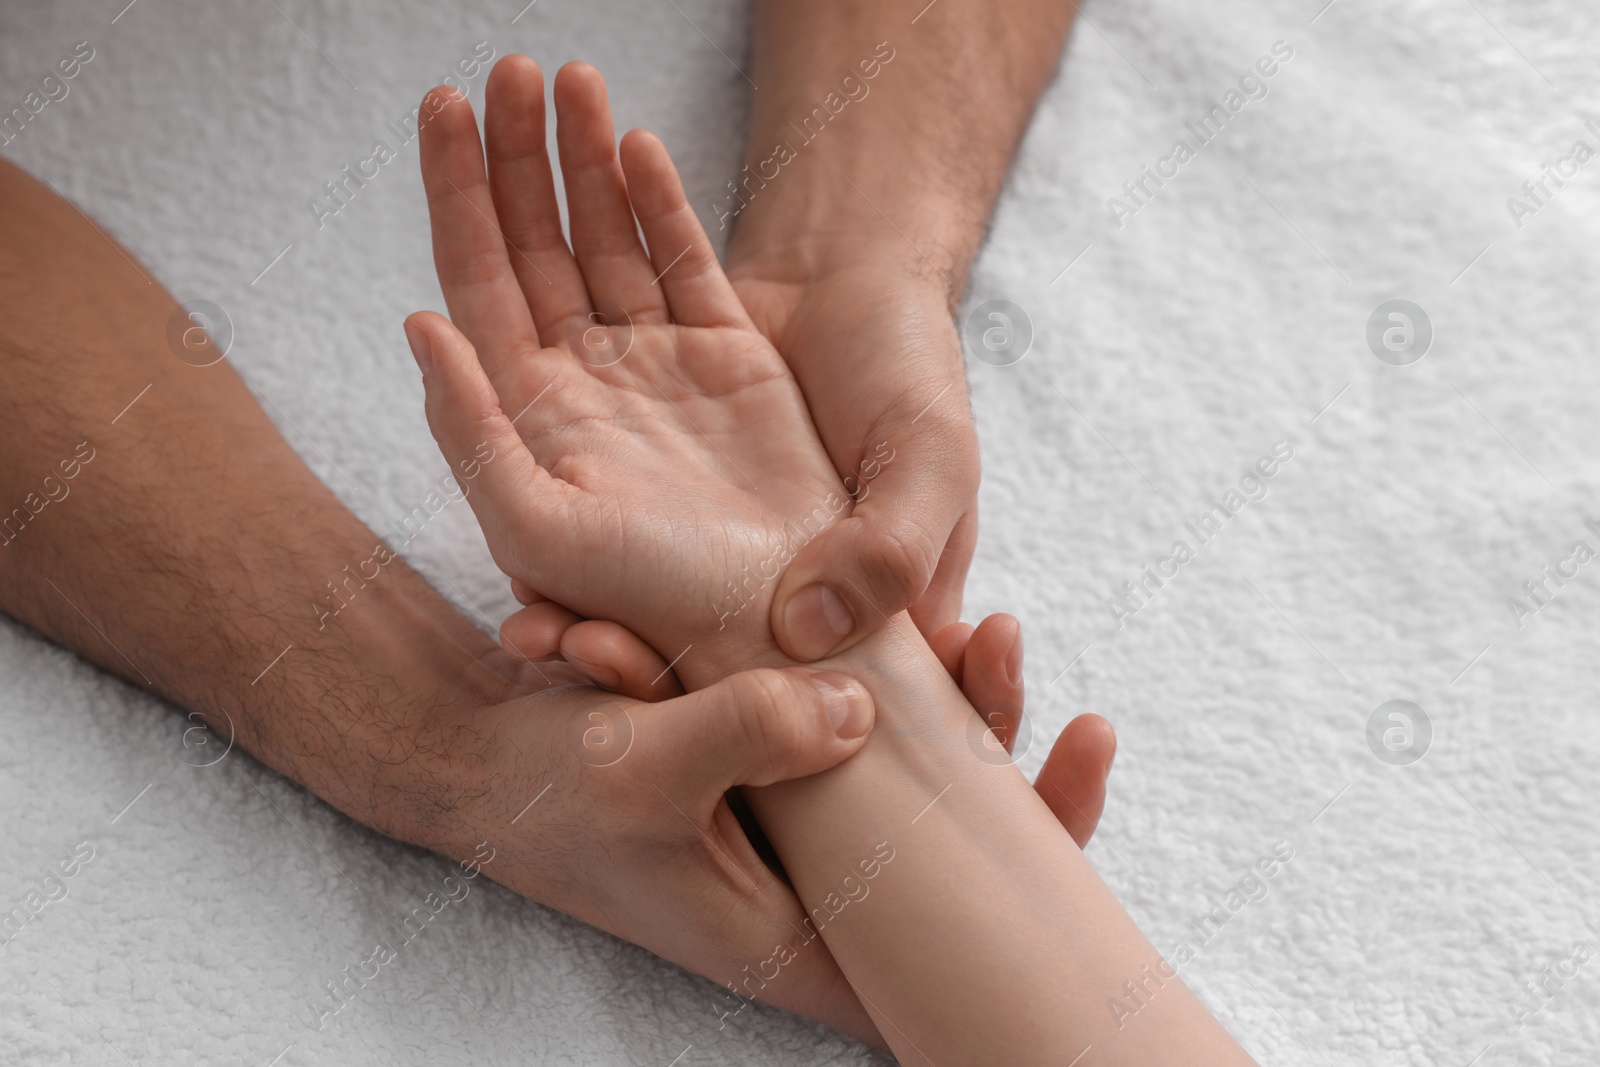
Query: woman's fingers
[(987, 664), (1073, 781), (517, 502), (615, 268), (991, 675), (535, 632), (950, 646), (525, 198), (469, 251), (697, 291), (614, 657), (607, 653)]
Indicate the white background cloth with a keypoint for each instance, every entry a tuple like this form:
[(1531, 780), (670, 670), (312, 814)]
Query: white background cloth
[(1220, 318)]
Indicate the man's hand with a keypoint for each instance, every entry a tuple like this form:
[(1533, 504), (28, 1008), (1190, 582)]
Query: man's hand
[(880, 365), (617, 811), (877, 145)]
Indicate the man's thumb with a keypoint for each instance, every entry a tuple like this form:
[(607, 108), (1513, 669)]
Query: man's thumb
[(764, 726), (849, 580)]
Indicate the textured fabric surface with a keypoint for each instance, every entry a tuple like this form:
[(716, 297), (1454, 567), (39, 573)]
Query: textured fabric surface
[(1430, 913)]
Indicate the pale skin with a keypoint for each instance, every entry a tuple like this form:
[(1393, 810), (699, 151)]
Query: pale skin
[(627, 486), (851, 261), (196, 545)]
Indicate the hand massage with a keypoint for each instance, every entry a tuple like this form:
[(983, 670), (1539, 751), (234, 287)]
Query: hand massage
[(721, 717)]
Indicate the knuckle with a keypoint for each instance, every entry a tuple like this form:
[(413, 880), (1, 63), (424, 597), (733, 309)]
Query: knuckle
[(900, 560), (765, 712), (953, 442)]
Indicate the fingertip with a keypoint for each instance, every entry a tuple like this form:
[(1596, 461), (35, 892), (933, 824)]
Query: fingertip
[(849, 580), (535, 632), (641, 140), (515, 84), (444, 116), (1072, 782), (649, 170), (430, 323), (997, 644), (815, 621), (1093, 740), (618, 659), (441, 97), (846, 703), (515, 68), (436, 343), (576, 79), (421, 347)]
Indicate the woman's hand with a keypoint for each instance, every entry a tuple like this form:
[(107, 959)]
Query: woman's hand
[(641, 453), (616, 810)]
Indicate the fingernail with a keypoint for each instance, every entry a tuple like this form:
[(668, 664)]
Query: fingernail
[(1014, 659), (817, 619), (419, 348), (848, 706)]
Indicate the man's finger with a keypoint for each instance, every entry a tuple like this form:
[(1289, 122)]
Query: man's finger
[(756, 728), (878, 561)]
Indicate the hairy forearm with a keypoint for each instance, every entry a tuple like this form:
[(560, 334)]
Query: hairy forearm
[(190, 551), (884, 131)]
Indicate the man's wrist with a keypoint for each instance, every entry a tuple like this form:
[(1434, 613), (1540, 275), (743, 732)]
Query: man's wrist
[(800, 246), (361, 716)]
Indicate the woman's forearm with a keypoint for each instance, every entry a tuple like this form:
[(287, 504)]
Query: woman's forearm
[(970, 924)]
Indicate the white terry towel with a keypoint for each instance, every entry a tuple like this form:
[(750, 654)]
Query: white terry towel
[(1177, 338)]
